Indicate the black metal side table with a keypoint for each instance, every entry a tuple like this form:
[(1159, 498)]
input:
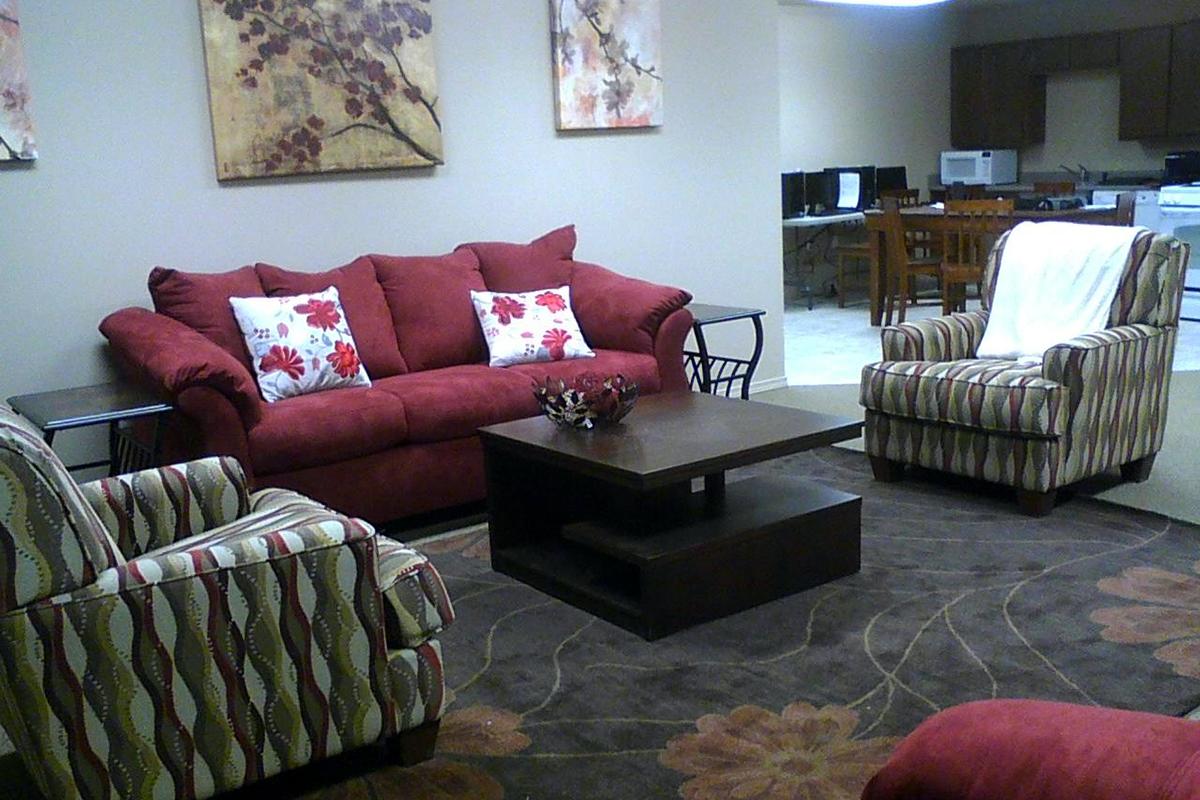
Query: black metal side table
[(111, 403), (710, 373)]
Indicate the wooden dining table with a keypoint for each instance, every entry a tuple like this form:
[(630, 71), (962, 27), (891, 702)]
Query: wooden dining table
[(933, 220)]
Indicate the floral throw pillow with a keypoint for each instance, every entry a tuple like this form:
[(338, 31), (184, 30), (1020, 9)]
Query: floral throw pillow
[(299, 344), (524, 327)]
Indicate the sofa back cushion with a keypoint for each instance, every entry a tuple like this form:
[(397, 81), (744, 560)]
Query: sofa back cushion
[(543, 263), (363, 301), (201, 301), (430, 302)]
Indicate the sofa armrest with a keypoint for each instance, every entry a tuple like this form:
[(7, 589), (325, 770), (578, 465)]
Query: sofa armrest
[(153, 508), (948, 338), (171, 357), (621, 313)]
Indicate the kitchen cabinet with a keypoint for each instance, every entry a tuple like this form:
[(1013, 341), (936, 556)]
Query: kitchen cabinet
[(966, 98), (995, 100), (1145, 73), (1094, 50), (998, 91), (1183, 115)]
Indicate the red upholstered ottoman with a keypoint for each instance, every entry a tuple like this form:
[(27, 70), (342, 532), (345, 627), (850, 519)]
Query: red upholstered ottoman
[(1035, 750)]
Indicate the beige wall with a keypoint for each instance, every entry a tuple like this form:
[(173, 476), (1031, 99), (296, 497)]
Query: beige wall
[(126, 177), (864, 86), (1081, 107)]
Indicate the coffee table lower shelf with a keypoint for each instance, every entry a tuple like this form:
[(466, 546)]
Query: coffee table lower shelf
[(770, 537)]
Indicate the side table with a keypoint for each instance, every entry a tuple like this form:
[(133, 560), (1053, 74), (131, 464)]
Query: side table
[(709, 373), (111, 403)]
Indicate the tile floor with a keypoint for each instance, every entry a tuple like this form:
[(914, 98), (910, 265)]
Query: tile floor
[(829, 345)]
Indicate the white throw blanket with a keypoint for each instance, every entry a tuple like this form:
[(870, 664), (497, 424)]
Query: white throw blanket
[(1057, 281)]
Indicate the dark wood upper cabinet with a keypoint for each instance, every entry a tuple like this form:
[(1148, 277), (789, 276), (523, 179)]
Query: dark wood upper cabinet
[(1145, 74), (1004, 94), (1183, 117), (1049, 55), (1094, 50), (967, 131)]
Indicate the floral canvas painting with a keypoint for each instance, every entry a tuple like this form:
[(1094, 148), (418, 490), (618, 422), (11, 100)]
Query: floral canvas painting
[(307, 86), (16, 123), (607, 63)]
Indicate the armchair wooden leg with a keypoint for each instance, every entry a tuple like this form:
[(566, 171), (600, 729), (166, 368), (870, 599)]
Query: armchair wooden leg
[(1137, 471), (886, 470), (415, 745), (1035, 504)]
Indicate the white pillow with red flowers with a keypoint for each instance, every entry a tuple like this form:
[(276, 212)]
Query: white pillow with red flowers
[(524, 327), (299, 344)]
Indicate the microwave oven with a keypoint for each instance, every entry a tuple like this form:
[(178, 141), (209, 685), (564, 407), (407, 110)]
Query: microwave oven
[(979, 166)]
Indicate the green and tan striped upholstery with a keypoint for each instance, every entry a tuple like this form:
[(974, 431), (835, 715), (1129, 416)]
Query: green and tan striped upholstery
[(232, 636), (1096, 402)]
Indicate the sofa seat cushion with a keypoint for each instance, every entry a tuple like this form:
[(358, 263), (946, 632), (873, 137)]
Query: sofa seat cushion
[(361, 296), (637, 367), (417, 605), (987, 394), (326, 427), (453, 402)]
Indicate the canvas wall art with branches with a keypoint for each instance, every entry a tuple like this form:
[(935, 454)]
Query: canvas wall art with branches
[(607, 63), (306, 86), (16, 122)]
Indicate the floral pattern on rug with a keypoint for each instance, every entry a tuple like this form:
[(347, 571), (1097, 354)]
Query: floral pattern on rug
[(474, 545), (756, 754), (1173, 617), (481, 731)]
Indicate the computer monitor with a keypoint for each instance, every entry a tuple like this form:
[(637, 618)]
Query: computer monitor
[(792, 185), (852, 188), (891, 179), (818, 191)]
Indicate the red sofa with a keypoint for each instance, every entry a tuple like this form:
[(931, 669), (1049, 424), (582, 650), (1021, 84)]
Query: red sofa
[(1039, 750), (407, 444)]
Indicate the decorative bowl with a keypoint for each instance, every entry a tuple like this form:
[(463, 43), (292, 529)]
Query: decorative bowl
[(587, 400)]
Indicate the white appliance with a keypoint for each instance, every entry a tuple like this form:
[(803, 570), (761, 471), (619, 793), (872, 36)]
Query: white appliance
[(1179, 207), (979, 166)]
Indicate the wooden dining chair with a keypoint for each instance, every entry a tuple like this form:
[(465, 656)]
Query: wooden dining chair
[(1126, 205), (972, 226), (1054, 188), (902, 265), (963, 191)]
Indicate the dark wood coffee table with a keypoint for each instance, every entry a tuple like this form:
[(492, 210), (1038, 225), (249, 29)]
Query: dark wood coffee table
[(608, 521)]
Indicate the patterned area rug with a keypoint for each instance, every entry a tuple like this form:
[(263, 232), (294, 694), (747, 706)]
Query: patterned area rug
[(959, 599)]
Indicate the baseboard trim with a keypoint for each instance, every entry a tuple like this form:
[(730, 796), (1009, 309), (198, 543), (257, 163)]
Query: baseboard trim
[(769, 384)]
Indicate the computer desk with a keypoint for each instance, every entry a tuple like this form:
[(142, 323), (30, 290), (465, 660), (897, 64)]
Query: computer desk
[(819, 223)]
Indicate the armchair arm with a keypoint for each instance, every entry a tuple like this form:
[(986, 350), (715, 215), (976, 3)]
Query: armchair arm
[(1117, 381), (948, 338), (621, 313), (171, 357), (148, 510), (251, 654)]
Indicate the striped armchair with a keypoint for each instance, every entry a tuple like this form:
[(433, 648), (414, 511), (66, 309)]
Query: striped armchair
[(169, 634), (1096, 402)]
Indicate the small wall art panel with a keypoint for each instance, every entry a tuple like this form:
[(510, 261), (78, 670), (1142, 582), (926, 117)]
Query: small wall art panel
[(307, 86), (607, 63), (16, 122)]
